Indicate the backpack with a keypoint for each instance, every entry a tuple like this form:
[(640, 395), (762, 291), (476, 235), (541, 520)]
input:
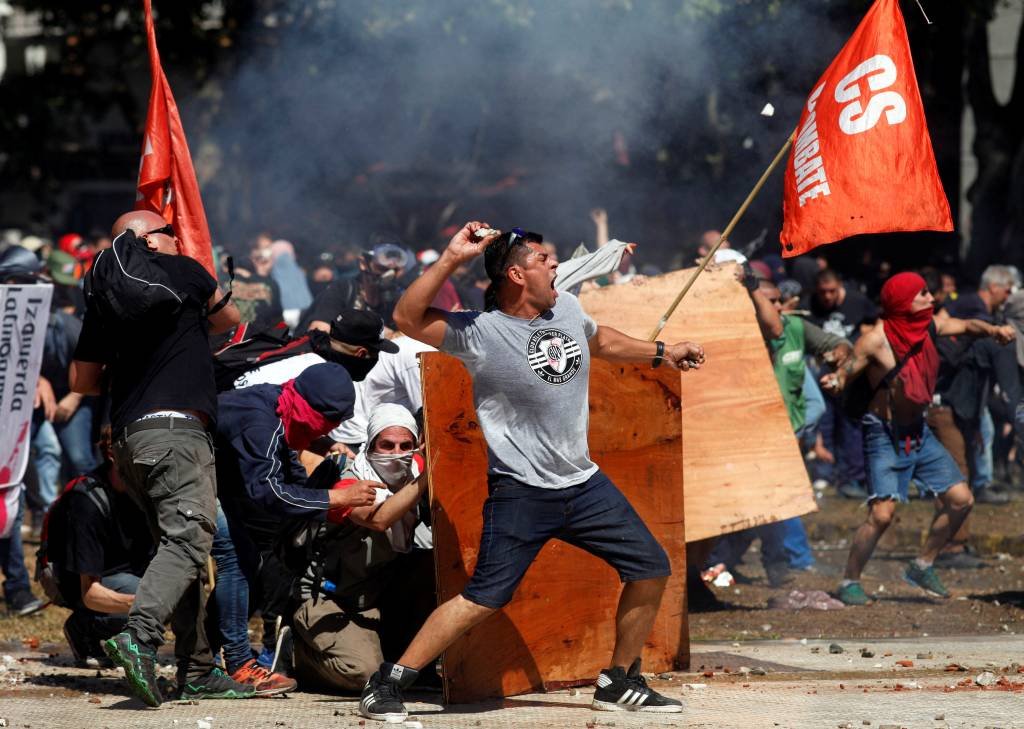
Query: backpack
[(127, 286), (300, 542), (248, 349), (54, 539)]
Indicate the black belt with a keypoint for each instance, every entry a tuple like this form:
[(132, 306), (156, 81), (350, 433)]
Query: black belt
[(164, 422)]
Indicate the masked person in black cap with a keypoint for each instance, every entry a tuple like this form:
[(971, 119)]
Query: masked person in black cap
[(354, 340), (377, 288), (261, 483)]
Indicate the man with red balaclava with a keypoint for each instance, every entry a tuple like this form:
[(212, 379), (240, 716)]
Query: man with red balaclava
[(260, 484), (899, 359)]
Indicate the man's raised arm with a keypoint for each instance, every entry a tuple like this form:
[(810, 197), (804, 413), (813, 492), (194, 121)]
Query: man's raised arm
[(948, 326), (413, 313)]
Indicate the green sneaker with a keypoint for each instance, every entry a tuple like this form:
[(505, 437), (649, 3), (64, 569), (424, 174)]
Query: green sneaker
[(852, 594), (927, 579), (216, 685), (139, 664)]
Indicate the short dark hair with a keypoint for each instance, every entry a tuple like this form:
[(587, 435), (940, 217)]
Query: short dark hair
[(501, 255), (828, 274), (932, 279)]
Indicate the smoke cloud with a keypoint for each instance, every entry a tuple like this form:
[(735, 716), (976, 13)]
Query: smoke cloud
[(341, 123)]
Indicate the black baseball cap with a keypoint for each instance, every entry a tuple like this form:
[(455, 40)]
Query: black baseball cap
[(361, 329)]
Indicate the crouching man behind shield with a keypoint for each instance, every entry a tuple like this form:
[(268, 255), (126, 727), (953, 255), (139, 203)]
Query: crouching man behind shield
[(339, 626)]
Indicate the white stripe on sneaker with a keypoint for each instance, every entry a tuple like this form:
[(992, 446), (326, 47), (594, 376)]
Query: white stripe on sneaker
[(603, 681), (642, 699), (626, 696)]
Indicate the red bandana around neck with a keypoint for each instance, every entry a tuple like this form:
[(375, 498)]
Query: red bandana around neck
[(904, 330), (302, 424)]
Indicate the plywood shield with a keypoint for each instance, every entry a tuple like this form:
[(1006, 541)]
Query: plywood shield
[(742, 462), (559, 629)]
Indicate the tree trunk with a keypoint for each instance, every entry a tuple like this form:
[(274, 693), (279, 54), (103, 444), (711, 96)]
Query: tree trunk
[(997, 217)]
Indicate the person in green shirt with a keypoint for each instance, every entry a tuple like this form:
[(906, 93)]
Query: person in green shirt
[(789, 340)]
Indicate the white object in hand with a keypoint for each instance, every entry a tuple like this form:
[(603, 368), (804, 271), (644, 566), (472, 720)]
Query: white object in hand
[(485, 232), (768, 110)]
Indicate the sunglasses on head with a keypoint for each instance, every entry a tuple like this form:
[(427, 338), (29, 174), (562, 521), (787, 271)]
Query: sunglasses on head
[(517, 237), (166, 230), (520, 237)]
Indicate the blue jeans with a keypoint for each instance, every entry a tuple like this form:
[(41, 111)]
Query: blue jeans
[(843, 437), (896, 455), (47, 462), (979, 451), (729, 550), (94, 627), (229, 606), (12, 558), (73, 440), (76, 439), (794, 541), (814, 409)]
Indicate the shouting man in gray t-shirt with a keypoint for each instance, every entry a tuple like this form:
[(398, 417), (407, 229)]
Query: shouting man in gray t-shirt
[(529, 356)]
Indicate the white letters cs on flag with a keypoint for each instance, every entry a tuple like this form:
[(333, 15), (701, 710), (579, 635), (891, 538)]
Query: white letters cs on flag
[(862, 161)]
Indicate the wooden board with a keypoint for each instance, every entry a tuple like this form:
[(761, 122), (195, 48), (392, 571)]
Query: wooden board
[(559, 629), (742, 462)]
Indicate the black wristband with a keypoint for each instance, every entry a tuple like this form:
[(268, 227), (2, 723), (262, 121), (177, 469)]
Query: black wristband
[(659, 355)]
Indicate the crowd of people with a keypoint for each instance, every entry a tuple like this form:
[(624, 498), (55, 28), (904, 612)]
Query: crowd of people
[(897, 387), (264, 439)]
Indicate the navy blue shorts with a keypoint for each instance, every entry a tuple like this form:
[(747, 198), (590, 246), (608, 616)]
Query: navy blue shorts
[(594, 516)]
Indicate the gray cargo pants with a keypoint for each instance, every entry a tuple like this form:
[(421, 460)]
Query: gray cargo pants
[(169, 471)]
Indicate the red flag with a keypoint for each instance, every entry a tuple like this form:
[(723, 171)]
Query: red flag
[(167, 182), (862, 161)]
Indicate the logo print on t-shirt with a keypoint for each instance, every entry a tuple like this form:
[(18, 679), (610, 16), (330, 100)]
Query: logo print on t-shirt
[(554, 356)]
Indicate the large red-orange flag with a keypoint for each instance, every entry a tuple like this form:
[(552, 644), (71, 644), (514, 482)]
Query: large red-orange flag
[(167, 181), (862, 161)]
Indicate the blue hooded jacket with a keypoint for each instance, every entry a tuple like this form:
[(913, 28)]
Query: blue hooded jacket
[(253, 458)]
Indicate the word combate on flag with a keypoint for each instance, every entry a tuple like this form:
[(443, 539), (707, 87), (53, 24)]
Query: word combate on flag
[(167, 181), (862, 161)]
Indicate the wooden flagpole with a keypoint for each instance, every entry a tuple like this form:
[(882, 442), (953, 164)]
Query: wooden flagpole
[(725, 235)]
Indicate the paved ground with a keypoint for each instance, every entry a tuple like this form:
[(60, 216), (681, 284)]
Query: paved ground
[(804, 685)]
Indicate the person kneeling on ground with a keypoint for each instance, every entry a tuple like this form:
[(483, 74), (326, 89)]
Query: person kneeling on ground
[(259, 434), (338, 627), (98, 545)]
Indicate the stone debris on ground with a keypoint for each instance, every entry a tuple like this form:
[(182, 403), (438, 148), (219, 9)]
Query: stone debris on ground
[(835, 648), (809, 600), (802, 689), (985, 678)]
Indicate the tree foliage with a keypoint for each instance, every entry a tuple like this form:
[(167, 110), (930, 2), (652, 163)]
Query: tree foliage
[(691, 141)]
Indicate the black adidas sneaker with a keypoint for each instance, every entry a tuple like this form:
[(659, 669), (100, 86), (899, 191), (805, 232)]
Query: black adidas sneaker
[(382, 695), (619, 690)]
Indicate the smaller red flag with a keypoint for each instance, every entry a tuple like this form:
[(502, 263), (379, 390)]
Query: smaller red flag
[(862, 161), (167, 181)]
